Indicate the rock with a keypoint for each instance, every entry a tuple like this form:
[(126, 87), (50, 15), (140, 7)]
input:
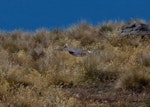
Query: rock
[(135, 28)]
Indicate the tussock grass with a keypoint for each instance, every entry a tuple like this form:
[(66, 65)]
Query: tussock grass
[(135, 80), (97, 67), (144, 59), (35, 73), (147, 103)]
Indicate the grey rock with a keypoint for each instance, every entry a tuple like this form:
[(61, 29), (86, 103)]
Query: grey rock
[(136, 28)]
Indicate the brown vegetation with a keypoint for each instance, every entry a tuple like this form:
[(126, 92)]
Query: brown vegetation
[(33, 73)]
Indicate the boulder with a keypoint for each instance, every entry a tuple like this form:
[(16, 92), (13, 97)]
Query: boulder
[(135, 28)]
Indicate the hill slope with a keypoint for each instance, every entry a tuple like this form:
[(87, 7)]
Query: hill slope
[(33, 72)]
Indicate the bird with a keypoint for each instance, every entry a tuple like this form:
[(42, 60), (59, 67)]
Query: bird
[(76, 51)]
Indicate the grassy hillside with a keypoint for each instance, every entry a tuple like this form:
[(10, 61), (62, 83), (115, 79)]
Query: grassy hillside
[(33, 73)]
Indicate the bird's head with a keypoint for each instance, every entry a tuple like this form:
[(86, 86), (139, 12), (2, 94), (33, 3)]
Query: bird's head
[(66, 45)]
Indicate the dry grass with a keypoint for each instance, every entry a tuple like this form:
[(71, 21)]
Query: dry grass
[(135, 80), (33, 73)]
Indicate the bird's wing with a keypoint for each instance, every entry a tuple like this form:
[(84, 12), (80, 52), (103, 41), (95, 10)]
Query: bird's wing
[(70, 49), (76, 54)]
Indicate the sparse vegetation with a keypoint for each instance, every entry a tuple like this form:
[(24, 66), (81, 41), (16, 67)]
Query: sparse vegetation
[(34, 73)]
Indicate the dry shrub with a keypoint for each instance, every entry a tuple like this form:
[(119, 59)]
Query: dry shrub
[(37, 53), (109, 29), (41, 37), (56, 35), (4, 86), (126, 41), (62, 78), (46, 38), (134, 80), (20, 58), (16, 35), (144, 59), (88, 40), (32, 97), (121, 104), (98, 68), (147, 103), (42, 59), (26, 78), (84, 32), (106, 28), (11, 47), (63, 69), (16, 41), (17, 77)]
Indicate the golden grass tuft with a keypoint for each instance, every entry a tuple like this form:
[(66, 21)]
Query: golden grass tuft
[(134, 80)]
